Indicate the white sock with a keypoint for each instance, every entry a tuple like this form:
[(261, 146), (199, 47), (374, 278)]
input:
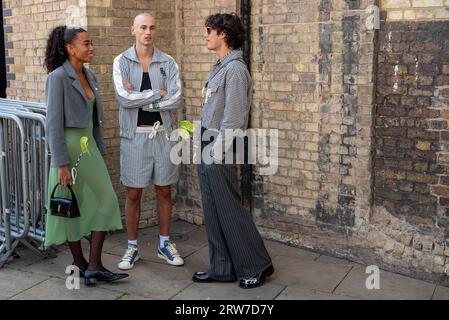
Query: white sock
[(132, 243), (162, 240)]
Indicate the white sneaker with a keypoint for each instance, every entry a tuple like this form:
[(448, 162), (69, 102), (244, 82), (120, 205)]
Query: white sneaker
[(170, 254), (129, 258)]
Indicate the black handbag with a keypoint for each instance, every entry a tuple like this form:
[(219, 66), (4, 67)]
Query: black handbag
[(63, 207)]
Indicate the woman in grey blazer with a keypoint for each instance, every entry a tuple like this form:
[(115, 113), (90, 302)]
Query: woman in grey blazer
[(74, 112)]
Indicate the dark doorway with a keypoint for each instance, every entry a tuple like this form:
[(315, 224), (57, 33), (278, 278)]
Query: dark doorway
[(2, 57)]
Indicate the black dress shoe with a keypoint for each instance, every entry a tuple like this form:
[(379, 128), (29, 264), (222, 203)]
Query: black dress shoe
[(204, 277), (92, 276), (257, 280)]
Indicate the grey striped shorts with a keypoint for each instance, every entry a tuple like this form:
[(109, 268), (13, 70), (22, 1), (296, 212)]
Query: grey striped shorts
[(144, 160)]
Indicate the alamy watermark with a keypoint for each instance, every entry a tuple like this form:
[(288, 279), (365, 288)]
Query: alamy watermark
[(73, 280), (373, 20), (373, 280), (228, 147)]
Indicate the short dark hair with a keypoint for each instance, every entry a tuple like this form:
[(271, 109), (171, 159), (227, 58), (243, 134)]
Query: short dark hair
[(231, 25)]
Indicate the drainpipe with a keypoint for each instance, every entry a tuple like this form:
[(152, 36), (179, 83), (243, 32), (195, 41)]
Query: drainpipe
[(245, 13), (246, 169)]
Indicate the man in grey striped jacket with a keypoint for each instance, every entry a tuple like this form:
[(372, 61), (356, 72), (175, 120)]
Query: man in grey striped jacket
[(148, 89), (236, 249)]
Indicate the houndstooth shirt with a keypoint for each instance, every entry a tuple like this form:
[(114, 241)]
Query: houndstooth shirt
[(227, 98)]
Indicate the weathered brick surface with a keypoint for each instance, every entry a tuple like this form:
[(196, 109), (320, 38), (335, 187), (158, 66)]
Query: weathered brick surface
[(415, 9), (411, 152), (27, 24), (359, 176), (318, 109), (409, 123)]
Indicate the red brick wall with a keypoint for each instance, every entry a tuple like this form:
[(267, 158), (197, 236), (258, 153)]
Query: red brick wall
[(411, 128)]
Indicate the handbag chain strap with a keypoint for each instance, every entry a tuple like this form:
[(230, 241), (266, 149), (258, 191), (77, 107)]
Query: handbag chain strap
[(74, 171)]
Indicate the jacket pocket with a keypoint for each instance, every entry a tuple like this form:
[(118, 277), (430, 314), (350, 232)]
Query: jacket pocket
[(210, 93)]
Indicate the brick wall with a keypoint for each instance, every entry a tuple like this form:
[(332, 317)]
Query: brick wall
[(411, 133), (317, 91), (411, 125), (27, 24), (415, 9)]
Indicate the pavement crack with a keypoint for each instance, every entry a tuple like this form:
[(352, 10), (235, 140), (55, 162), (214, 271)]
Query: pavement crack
[(345, 276)]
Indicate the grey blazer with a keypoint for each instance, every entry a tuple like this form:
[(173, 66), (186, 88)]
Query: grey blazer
[(67, 107)]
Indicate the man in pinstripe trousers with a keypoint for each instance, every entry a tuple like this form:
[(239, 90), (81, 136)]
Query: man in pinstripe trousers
[(236, 249)]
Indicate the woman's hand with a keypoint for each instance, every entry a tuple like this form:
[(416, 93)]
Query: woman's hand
[(65, 177)]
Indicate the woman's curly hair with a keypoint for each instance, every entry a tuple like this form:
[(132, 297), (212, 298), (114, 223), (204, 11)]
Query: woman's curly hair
[(231, 25), (56, 52)]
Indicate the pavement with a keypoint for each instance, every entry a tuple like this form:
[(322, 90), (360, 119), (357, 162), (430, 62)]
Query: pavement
[(299, 275)]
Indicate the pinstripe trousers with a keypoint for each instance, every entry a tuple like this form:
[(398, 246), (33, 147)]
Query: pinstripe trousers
[(236, 249)]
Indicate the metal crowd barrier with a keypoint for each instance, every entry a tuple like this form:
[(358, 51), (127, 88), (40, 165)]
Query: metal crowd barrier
[(24, 165)]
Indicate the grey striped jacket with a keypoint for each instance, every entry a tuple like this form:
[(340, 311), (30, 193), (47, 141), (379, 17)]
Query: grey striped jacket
[(227, 98), (163, 74)]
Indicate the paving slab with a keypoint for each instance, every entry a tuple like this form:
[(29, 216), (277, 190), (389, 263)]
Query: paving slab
[(55, 289), (177, 230), (114, 239), (441, 293), (197, 261), (186, 243), (152, 280), (337, 261), (23, 256), (299, 274), (182, 227), (228, 291), (196, 238), (279, 249), (309, 274), (392, 286), (127, 296), (297, 293), (56, 267), (13, 282)]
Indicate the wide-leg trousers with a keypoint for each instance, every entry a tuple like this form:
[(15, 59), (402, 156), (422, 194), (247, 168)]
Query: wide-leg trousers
[(236, 249)]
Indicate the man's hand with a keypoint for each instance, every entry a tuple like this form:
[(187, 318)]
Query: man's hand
[(128, 85), (65, 178)]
